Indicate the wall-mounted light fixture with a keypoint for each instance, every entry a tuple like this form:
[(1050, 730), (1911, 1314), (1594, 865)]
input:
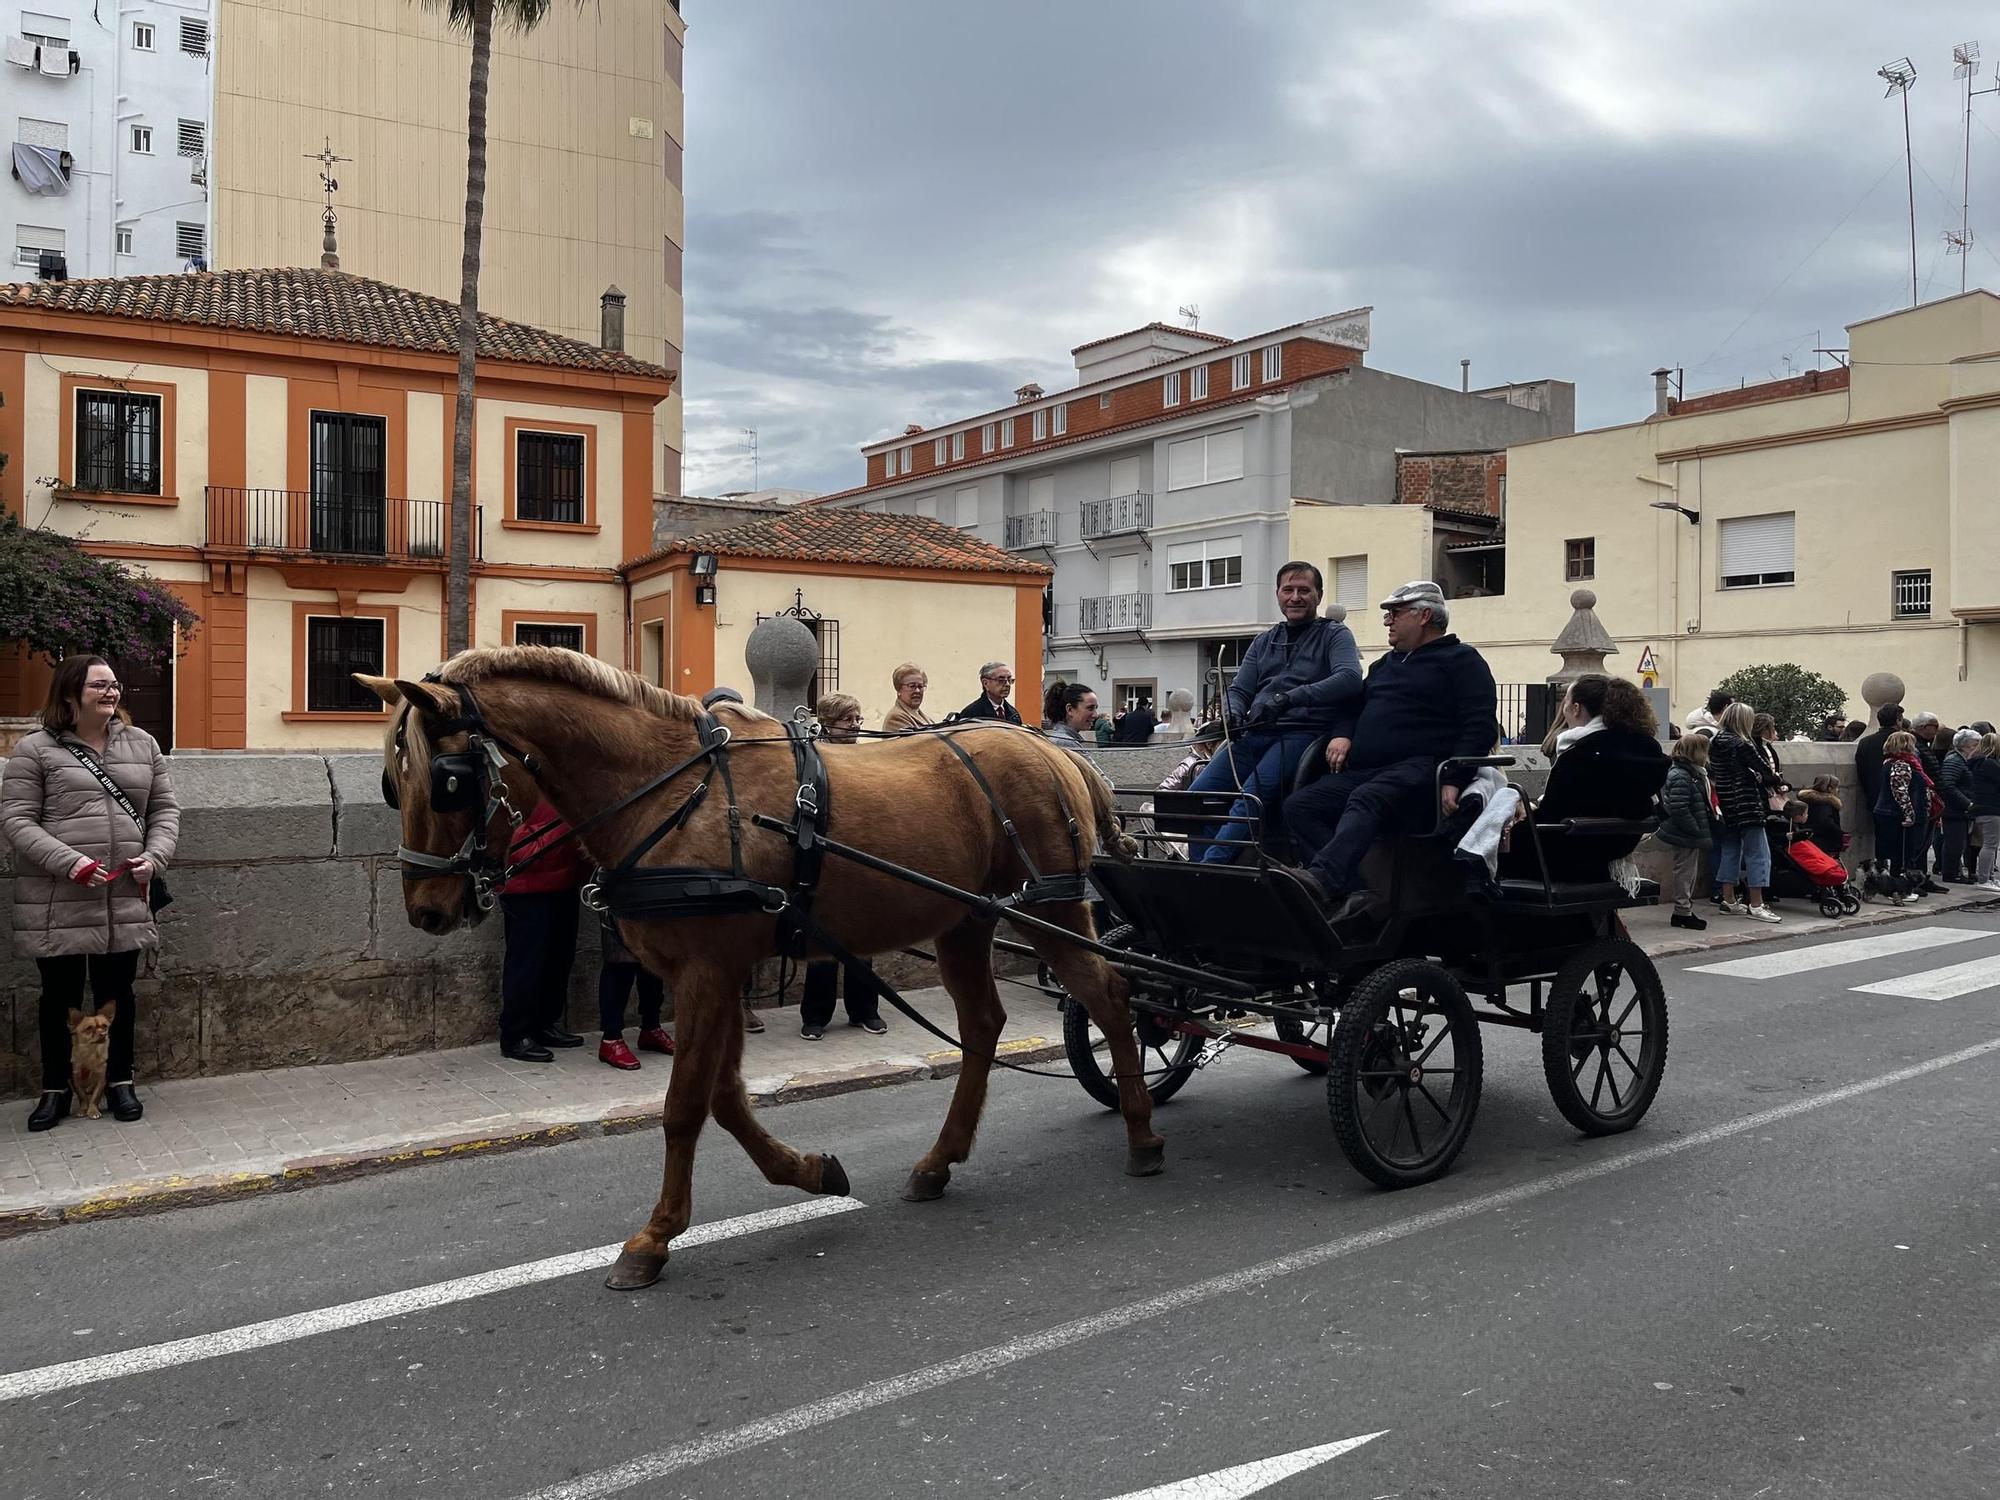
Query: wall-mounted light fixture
[(703, 565), (704, 593), (1692, 517)]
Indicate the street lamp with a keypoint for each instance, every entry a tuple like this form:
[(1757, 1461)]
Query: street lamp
[(1693, 516)]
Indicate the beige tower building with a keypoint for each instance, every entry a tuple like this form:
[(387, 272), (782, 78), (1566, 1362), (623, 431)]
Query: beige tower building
[(586, 120)]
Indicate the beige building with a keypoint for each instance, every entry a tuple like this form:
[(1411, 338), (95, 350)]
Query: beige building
[(1846, 521), (585, 129)]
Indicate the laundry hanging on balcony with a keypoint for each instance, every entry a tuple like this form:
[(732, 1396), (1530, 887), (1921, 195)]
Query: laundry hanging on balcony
[(57, 62), (39, 169), (21, 52)]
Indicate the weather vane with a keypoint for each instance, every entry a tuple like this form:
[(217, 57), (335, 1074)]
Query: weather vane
[(329, 257)]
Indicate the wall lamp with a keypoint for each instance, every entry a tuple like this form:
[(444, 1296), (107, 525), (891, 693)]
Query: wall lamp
[(703, 569), (1693, 516)]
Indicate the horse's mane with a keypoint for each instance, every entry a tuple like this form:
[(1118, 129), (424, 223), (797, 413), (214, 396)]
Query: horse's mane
[(585, 673)]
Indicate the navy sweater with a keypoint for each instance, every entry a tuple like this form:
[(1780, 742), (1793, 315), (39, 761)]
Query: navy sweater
[(1317, 668), (1435, 702)]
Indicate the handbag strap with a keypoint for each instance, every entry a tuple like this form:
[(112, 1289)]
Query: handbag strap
[(117, 793)]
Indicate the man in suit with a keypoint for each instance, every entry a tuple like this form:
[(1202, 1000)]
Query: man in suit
[(996, 679)]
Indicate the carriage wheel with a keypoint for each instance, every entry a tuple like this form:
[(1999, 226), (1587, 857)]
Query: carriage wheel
[(1604, 1037), (1166, 1058), (1404, 1083), (1297, 1031)]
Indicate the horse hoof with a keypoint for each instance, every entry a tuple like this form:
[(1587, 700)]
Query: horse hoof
[(833, 1178), (633, 1270), (925, 1186), (1146, 1161)]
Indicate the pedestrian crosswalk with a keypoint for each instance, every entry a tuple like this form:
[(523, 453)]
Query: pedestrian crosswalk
[(1950, 982)]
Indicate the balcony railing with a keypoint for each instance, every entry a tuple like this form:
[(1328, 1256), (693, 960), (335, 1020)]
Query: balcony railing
[(298, 523), (1114, 614), (1121, 515), (1036, 529)]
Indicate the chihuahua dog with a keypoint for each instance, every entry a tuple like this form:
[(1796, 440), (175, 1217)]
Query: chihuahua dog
[(89, 1052)]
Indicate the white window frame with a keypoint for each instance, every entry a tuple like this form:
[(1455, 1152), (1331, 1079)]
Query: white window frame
[(1770, 574), (989, 437), (142, 139), (957, 446), (910, 459), (1209, 474), (1274, 362), (1104, 401), (122, 239), (1239, 372), (1059, 423), (32, 23), (1006, 432), (937, 453), (1170, 388), (1209, 552), (142, 36), (1198, 383), (967, 506), (1040, 423), (52, 237)]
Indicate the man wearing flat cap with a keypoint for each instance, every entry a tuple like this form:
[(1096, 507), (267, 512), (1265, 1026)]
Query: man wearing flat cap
[(1429, 699)]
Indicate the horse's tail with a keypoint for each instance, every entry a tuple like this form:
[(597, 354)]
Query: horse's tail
[(1111, 839)]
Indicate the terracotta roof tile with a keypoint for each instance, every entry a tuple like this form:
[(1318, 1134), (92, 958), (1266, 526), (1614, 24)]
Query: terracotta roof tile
[(303, 303), (856, 536)]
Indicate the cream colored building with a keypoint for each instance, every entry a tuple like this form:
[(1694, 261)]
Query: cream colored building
[(1847, 522), (585, 130)]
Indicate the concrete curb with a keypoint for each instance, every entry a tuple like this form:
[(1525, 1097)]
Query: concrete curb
[(161, 1195)]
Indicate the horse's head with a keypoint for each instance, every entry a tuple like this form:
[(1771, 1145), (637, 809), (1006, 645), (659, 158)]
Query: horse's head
[(459, 796)]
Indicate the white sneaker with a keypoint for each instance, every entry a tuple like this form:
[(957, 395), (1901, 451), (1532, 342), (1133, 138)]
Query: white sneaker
[(1731, 908), (1762, 914), (1990, 885)]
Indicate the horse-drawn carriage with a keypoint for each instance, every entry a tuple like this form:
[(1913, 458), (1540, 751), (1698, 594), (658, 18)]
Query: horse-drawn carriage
[(1387, 1008)]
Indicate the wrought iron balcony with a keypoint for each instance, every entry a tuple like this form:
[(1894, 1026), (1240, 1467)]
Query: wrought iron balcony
[(1114, 614), (1121, 515), (1036, 529), (299, 523)]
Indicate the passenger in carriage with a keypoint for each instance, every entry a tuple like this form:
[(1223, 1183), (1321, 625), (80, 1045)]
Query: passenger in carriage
[(1429, 699), (1296, 678), (1608, 764)]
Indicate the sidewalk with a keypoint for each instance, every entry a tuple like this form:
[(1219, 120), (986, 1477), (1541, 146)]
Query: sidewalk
[(206, 1139)]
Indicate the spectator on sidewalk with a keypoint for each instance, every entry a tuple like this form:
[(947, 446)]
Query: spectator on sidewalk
[(1955, 790), (89, 806), (1684, 826), (1984, 765), (1744, 785), (910, 683), (840, 723), (1076, 716), (1136, 725), (1930, 755), (1902, 809), (1705, 720), (539, 908), (618, 973), (996, 682), (1868, 753)]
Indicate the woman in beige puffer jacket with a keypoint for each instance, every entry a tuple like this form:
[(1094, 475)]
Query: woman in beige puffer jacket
[(83, 869)]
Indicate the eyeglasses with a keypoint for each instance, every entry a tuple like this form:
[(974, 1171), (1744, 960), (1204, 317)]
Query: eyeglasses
[(1003, 681), (103, 689)]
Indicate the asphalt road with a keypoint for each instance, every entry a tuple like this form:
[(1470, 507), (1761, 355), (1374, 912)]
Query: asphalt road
[(1784, 1284)]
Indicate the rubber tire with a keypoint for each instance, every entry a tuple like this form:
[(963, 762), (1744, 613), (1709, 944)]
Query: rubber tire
[(1359, 1014), (1829, 906), (1558, 1020), (1089, 1069), (1295, 1031), (1849, 903)]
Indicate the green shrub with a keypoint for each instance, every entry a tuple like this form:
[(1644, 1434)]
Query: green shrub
[(1799, 700), (62, 601)]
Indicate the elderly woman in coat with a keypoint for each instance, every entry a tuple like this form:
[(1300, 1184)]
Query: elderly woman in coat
[(87, 859)]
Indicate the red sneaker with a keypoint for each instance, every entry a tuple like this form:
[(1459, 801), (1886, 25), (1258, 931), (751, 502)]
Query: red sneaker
[(655, 1039), (618, 1054)]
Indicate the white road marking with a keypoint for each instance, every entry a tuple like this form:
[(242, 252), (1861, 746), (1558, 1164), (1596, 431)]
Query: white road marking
[(393, 1305), (898, 1388), (1832, 955), (1940, 984), (1248, 1479)]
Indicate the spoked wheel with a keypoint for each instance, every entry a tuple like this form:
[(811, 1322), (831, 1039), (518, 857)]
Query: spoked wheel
[(1830, 906), (1849, 903), (1165, 1058), (1404, 1084), (1297, 1031), (1604, 1037)]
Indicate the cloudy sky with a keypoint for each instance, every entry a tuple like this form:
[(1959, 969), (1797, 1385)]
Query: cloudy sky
[(899, 210)]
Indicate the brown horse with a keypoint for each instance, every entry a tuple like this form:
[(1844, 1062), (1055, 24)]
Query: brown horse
[(594, 734)]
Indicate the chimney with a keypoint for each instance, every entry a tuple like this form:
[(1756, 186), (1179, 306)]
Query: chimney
[(1028, 392), (1660, 378), (1465, 376), (611, 319), (913, 429)]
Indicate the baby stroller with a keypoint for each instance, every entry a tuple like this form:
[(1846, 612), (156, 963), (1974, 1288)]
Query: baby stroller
[(1810, 873)]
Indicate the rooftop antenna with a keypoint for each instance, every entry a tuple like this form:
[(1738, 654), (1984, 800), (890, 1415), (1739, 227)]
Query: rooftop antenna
[(750, 447), (1965, 57), (329, 257), (1192, 312), (1899, 75)]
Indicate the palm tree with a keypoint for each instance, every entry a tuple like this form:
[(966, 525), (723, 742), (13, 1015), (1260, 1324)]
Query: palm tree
[(478, 16)]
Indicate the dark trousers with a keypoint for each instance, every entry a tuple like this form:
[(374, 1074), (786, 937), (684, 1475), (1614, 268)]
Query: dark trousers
[(110, 976), (1951, 851), (1339, 818), (864, 1000), (614, 983), (541, 950), (1260, 764), (1900, 848)]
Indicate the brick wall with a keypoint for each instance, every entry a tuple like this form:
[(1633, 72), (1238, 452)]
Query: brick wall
[(1809, 384), (1452, 481)]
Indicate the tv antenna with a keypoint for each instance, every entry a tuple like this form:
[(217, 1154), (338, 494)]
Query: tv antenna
[(1192, 312), (1965, 59), (1899, 75), (750, 447)]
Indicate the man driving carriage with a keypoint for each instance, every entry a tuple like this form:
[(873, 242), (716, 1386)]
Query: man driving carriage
[(1428, 699), (1295, 679)]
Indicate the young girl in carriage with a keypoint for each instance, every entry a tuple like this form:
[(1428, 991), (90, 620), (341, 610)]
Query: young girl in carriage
[(1808, 871)]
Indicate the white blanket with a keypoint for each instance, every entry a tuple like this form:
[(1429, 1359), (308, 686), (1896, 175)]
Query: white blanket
[(1501, 803)]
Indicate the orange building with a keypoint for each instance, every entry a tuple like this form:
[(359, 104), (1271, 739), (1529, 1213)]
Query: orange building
[(275, 447)]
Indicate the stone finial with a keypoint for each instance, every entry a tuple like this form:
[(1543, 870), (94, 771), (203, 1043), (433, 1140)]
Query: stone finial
[(1180, 714), (1336, 613), (783, 657), (1584, 642), (329, 247), (1879, 689)]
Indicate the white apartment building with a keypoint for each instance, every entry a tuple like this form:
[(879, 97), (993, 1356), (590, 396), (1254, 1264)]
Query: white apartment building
[(109, 103)]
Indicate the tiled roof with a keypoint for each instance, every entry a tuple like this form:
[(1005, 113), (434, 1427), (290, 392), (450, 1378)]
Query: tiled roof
[(1193, 333), (859, 537), (302, 303)]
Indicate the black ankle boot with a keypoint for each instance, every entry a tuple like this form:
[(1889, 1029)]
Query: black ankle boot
[(49, 1109), (124, 1102)]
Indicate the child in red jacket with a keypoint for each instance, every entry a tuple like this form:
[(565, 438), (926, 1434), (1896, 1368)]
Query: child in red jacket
[(539, 907)]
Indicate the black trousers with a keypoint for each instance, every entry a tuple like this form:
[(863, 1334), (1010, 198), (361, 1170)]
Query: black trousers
[(614, 983), (864, 1000), (1951, 850), (1337, 819), (541, 950), (110, 976)]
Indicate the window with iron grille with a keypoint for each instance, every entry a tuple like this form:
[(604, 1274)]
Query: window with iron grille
[(548, 485), (193, 138), (1911, 593), (1579, 558), (190, 241), (337, 648), (827, 680), (563, 637), (118, 442), (194, 37)]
